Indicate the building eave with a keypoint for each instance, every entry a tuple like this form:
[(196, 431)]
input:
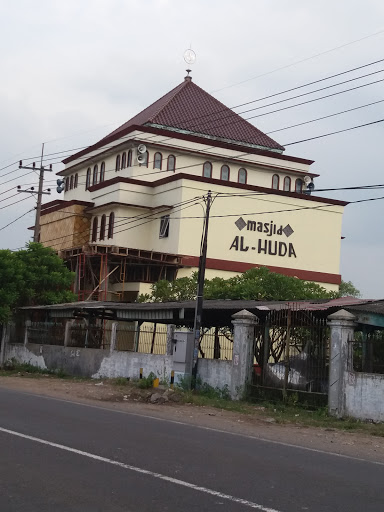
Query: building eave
[(201, 179), (188, 137)]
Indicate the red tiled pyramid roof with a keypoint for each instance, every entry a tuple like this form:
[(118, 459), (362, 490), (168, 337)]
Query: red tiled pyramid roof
[(188, 107)]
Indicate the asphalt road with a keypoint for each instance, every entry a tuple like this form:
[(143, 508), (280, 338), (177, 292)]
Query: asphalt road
[(61, 456)]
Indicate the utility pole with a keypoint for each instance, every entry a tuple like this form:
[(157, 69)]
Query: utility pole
[(200, 287), (40, 191)]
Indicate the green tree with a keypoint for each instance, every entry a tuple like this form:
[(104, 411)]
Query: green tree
[(347, 289), (11, 279), (255, 284), (32, 276)]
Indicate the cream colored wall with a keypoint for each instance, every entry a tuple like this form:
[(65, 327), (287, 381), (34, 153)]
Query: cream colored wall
[(258, 172), (315, 241)]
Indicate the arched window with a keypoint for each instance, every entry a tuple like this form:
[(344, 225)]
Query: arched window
[(95, 174), (224, 174), (111, 224), (94, 229), (275, 182), (129, 159), (88, 179), (76, 181), (71, 183), (102, 227), (124, 160), (117, 163), (66, 183), (207, 170), (157, 161), (242, 176), (299, 186), (287, 184), (171, 163), (102, 172)]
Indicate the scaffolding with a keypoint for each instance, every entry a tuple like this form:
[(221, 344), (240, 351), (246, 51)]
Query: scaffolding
[(102, 272)]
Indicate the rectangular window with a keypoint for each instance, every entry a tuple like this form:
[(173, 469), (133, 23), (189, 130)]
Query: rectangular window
[(164, 226)]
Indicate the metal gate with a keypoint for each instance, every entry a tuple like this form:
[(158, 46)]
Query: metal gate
[(291, 356)]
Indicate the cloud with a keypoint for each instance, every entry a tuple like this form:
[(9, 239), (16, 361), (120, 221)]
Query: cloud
[(70, 67)]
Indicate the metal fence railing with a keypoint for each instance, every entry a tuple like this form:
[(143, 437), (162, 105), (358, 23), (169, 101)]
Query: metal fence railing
[(216, 343), (149, 338), (152, 339), (291, 354), (46, 333), (368, 352), (83, 336)]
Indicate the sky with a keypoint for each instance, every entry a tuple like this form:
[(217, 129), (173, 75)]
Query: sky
[(73, 71)]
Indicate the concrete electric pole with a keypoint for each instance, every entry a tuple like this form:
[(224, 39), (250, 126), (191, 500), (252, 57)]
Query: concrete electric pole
[(200, 287), (40, 191)]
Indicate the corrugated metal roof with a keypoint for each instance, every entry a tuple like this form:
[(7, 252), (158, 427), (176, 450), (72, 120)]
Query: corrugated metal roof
[(213, 304)]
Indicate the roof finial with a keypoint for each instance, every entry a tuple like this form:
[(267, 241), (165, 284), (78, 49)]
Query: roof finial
[(189, 57)]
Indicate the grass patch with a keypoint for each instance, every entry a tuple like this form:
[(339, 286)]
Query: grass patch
[(146, 382), (120, 381), (12, 367), (291, 412)]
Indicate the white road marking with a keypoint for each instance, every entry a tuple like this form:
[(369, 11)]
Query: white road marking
[(142, 471)]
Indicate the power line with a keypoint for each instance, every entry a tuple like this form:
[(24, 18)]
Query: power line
[(308, 84), (9, 197), (325, 117), (311, 92), (316, 99), (333, 133), (9, 205), (300, 61), (24, 214)]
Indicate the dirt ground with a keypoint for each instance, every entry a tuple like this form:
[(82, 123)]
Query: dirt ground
[(132, 400)]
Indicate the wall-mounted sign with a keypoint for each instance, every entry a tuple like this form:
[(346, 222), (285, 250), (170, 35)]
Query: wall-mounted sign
[(264, 245)]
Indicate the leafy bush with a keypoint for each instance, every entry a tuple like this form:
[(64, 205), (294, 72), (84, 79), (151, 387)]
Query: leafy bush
[(146, 382)]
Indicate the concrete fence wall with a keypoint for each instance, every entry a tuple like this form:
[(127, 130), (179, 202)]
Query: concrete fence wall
[(98, 363), (364, 396), (91, 362), (351, 394)]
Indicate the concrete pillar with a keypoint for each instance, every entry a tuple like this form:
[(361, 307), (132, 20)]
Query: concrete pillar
[(28, 324), (4, 342), (243, 340), (113, 336), (170, 338), (342, 325), (67, 332)]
